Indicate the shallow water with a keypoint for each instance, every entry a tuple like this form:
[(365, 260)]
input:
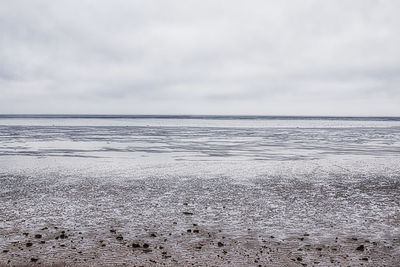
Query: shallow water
[(240, 181)]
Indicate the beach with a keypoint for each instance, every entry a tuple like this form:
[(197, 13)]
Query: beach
[(202, 192)]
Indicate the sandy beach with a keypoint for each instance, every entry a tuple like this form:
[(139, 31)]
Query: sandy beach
[(82, 196)]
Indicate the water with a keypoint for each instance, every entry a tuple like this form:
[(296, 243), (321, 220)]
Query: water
[(204, 138), (243, 178)]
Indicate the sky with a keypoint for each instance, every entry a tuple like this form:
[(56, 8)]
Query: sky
[(255, 57)]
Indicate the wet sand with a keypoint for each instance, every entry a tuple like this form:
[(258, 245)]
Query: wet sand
[(187, 221)]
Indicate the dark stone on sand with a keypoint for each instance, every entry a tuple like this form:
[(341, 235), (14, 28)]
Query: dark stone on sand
[(42, 242), (147, 250), (34, 259), (135, 245), (299, 259), (44, 228), (153, 235), (29, 244), (187, 213), (364, 259), (38, 236), (113, 231), (5, 251), (103, 245), (195, 224), (25, 234), (220, 244), (145, 245), (196, 231), (120, 238), (272, 236), (319, 249), (189, 230), (360, 248), (63, 236)]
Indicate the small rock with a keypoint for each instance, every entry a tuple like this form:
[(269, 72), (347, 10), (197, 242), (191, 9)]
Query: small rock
[(189, 230), (147, 250), (120, 238), (38, 236), (34, 259), (5, 251), (145, 245), (299, 259), (360, 248), (187, 213), (113, 231), (196, 231), (153, 235), (25, 234), (220, 244), (29, 244)]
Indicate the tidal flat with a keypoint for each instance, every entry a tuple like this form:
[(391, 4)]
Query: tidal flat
[(199, 193)]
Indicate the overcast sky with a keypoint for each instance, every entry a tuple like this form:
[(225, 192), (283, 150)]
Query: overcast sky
[(200, 57)]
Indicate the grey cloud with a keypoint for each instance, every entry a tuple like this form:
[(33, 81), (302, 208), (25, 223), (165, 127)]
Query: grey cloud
[(200, 57)]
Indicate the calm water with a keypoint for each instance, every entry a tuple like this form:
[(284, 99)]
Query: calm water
[(199, 138)]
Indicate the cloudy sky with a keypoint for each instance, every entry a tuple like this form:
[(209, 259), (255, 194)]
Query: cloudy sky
[(200, 57)]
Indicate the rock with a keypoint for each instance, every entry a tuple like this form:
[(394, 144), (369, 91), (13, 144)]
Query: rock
[(5, 250), (120, 238), (189, 230), (360, 248), (153, 235), (113, 231), (25, 234), (187, 213), (29, 244), (145, 245), (42, 242), (38, 236), (220, 244), (34, 259), (147, 250), (196, 231), (299, 259)]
